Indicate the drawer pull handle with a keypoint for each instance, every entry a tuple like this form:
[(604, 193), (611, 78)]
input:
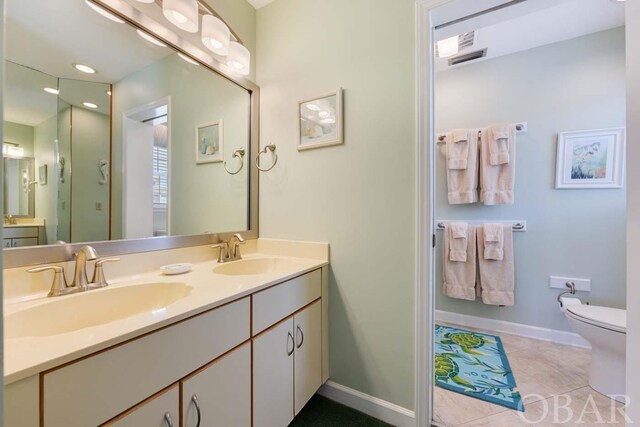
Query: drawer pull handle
[(167, 418), (293, 344), (301, 336), (194, 399)]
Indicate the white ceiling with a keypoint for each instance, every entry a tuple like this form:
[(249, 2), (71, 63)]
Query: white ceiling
[(532, 24), (259, 3), (61, 33)]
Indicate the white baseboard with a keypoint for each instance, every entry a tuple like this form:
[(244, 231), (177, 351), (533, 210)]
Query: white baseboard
[(377, 408), (492, 325)]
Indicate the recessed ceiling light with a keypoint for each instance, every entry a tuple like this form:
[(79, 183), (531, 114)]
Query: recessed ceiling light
[(90, 105), (328, 121), (104, 12), (187, 59), (448, 47), (150, 38), (108, 92), (51, 90), (84, 68), (313, 107), (323, 114)]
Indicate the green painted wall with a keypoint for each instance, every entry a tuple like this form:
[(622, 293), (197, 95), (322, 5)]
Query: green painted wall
[(564, 98), (20, 134), (202, 197), (359, 197)]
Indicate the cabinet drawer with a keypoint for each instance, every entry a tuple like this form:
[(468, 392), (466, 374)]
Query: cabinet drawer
[(152, 412), (17, 232), (102, 386), (274, 304)]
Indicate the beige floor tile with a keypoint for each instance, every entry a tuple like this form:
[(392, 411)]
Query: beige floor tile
[(541, 372), (582, 407), (454, 408)]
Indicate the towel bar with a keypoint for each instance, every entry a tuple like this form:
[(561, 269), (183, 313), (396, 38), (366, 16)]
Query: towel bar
[(521, 127), (515, 225)]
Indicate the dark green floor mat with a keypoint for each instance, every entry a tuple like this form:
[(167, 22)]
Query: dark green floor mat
[(322, 412)]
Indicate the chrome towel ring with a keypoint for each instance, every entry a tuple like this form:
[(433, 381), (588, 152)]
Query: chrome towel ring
[(239, 153), (272, 148)]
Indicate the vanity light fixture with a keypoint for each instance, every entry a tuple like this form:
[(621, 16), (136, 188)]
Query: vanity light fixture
[(187, 59), (51, 90), (148, 37), (313, 107), (182, 13), (84, 68), (239, 58), (146, 1), (90, 105), (328, 121), (448, 47), (216, 36), (323, 114), (104, 12)]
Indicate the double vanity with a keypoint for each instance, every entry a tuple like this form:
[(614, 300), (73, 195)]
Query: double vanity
[(238, 343)]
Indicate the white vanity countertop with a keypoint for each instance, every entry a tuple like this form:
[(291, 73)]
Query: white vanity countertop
[(29, 355)]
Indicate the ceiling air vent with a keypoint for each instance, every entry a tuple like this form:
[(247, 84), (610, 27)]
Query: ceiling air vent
[(467, 57)]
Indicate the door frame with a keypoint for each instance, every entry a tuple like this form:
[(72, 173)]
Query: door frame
[(136, 114)]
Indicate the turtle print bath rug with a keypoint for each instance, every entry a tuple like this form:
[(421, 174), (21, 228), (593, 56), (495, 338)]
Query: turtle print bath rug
[(475, 365)]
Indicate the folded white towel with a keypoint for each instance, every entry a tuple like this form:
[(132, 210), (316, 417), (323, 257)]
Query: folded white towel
[(493, 242), (459, 241), (500, 138), (457, 149), (460, 277), (497, 181), (462, 183), (496, 279)]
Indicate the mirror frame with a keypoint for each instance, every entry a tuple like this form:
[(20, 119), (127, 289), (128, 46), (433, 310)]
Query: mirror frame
[(19, 257)]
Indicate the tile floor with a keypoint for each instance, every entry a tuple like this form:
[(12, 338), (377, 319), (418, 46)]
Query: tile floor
[(547, 375)]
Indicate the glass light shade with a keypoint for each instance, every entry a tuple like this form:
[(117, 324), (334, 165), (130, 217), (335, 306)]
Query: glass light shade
[(182, 13), (239, 59), (104, 12), (146, 1), (215, 35), (448, 47)]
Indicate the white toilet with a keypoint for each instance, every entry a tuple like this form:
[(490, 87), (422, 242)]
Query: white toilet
[(606, 330)]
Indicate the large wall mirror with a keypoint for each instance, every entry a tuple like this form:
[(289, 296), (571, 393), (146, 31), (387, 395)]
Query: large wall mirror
[(110, 133)]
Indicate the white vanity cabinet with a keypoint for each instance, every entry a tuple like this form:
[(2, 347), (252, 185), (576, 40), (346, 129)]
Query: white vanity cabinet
[(219, 395), (161, 410), (287, 357), (255, 361)]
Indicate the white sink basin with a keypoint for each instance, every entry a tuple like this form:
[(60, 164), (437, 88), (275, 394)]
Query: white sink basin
[(70, 313), (255, 266)]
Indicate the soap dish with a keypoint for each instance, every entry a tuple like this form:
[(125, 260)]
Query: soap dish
[(173, 269)]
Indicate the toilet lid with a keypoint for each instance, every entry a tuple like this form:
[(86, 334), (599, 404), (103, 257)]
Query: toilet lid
[(606, 317)]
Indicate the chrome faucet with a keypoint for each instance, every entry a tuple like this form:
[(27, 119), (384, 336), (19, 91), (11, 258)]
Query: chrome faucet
[(230, 250), (80, 279)]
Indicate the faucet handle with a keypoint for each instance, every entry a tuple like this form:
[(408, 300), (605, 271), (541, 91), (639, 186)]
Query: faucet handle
[(99, 280), (224, 250), (59, 285)]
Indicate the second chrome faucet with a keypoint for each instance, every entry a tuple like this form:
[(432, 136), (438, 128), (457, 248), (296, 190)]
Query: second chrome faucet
[(230, 250), (81, 281)]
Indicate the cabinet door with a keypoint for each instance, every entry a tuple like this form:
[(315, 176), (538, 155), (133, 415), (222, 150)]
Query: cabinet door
[(24, 241), (220, 394), (273, 376), (161, 411), (308, 354)]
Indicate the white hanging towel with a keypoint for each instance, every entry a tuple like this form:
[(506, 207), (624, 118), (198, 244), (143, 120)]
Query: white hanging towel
[(496, 278), (493, 241), (497, 180), (462, 166), (459, 276)]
